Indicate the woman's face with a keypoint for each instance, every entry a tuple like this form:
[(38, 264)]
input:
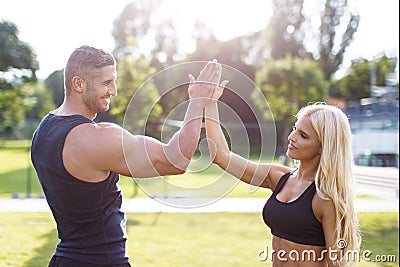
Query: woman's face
[(303, 141)]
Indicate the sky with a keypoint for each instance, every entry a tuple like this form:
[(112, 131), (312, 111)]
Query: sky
[(55, 28)]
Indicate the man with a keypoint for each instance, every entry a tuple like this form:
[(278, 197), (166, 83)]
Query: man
[(78, 161)]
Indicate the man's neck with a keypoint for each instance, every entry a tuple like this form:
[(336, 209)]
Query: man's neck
[(66, 109)]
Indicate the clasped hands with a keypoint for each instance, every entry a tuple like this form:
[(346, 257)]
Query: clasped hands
[(206, 87)]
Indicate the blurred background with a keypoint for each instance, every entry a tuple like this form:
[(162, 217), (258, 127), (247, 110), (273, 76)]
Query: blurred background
[(296, 52), (288, 53)]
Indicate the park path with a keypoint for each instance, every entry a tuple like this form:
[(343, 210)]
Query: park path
[(377, 188), (144, 205)]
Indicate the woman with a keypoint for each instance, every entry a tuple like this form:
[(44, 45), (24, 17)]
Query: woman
[(311, 211)]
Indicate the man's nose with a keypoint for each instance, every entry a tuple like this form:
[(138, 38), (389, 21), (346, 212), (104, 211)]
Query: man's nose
[(112, 90)]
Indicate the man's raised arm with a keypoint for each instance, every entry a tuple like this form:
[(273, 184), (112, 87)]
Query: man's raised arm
[(148, 157)]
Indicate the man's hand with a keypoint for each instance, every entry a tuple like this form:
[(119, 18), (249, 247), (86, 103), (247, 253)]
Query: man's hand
[(202, 89)]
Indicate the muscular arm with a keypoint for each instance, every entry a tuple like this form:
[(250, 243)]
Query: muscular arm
[(148, 157), (109, 147)]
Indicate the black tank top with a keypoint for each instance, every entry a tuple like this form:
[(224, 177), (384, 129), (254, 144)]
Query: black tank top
[(90, 224), (295, 220)]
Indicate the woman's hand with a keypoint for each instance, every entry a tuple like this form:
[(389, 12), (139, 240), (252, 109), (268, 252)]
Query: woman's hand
[(218, 91), (202, 89)]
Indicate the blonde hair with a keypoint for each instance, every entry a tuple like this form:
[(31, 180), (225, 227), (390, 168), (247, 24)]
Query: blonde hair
[(334, 178)]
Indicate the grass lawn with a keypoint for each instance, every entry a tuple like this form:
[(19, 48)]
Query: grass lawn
[(16, 170), (164, 239), (182, 239), (17, 177)]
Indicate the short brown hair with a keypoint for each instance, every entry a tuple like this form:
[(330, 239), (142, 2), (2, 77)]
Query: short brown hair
[(84, 62)]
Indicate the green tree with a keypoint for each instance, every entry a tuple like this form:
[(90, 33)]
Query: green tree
[(15, 54), (17, 67), (286, 30), (357, 83), (132, 74), (137, 24), (383, 66), (40, 99), (330, 52), (287, 34), (139, 59), (131, 26), (289, 84), (12, 105), (55, 82)]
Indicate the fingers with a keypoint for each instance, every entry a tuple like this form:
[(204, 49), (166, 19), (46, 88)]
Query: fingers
[(219, 90), (211, 73), (217, 74), (224, 83), (206, 72), (191, 79), (206, 86)]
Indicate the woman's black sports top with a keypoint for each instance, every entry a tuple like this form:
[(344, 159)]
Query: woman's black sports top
[(295, 220)]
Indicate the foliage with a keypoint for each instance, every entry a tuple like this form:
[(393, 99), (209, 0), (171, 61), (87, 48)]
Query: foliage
[(137, 24), (383, 66), (132, 74), (139, 59), (22, 106), (55, 82), (284, 36), (14, 100), (289, 84), (17, 67), (41, 96), (357, 83), (287, 34), (330, 53), (15, 54)]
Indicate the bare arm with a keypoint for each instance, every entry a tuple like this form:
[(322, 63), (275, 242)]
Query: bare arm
[(262, 175), (147, 157), (325, 212), (92, 150)]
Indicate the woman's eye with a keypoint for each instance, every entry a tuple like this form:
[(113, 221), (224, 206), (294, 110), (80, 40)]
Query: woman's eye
[(302, 134)]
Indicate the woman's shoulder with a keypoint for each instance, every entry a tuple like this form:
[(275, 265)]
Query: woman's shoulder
[(277, 172), (323, 206)]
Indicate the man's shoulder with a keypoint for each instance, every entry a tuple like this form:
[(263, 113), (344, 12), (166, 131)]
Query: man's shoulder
[(102, 126), (107, 125), (94, 133)]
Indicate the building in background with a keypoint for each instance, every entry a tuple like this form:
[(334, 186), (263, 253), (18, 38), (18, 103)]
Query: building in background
[(375, 126)]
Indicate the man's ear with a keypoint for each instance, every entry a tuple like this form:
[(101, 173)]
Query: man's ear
[(77, 84)]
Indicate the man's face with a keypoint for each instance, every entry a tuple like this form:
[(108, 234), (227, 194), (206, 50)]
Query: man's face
[(99, 90)]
